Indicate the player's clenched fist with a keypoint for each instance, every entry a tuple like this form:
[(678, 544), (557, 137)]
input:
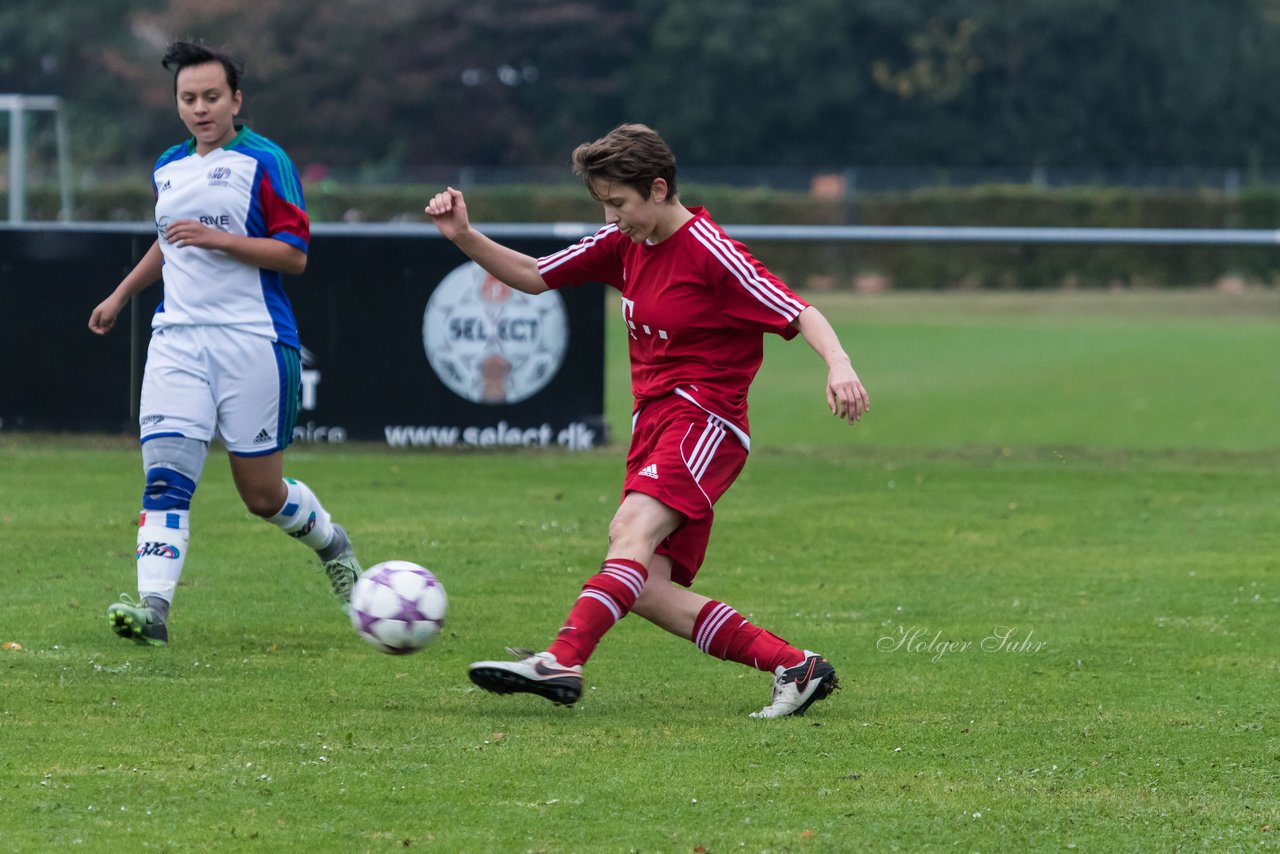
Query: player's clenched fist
[(104, 316), (449, 212)]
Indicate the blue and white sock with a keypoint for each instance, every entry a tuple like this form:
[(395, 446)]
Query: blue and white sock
[(303, 517), (162, 550)]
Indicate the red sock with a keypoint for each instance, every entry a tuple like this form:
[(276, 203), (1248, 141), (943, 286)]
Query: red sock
[(721, 631), (606, 598)]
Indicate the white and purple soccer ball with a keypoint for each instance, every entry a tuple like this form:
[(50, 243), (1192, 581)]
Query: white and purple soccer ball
[(398, 606)]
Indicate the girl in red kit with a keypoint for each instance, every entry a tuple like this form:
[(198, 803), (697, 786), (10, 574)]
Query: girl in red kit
[(697, 306)]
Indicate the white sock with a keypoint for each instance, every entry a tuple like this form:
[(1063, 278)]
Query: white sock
[(162, 550), (303, 517)]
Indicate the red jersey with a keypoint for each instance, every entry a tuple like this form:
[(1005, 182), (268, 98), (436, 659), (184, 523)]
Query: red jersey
[(697, 306)]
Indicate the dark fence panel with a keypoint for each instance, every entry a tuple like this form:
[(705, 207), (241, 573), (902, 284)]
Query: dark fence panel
[(54, 373), (493, 368)]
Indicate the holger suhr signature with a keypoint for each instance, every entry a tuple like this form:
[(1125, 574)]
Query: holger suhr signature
[(920, 640)]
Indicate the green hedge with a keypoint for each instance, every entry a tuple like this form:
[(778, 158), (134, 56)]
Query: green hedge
[(848, 265)]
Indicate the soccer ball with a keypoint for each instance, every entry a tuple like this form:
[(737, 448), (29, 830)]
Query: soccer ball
[(398, 606)]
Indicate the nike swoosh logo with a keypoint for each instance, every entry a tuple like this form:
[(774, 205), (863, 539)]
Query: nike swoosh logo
[(802, 681), (542, 670)]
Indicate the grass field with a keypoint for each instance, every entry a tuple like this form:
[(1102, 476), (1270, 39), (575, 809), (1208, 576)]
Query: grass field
[(1046, 566)]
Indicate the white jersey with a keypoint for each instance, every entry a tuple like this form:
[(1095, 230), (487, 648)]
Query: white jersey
[(247, 187)]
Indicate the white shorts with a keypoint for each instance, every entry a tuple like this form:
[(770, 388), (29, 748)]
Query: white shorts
[(207, 381)]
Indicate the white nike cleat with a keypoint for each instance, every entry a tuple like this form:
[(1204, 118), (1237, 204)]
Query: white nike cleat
[(797, 688), (536, 673)]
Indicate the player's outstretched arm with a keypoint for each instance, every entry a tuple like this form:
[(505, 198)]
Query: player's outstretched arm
[(144, 274), (448, 210), (846, 397)]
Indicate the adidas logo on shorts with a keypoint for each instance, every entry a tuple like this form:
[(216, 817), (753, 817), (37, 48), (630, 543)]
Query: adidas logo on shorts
[(263, 436), (650, 470)]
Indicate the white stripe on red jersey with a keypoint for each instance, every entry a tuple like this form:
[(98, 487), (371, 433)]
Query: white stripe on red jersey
[(757, 285), (550, 262)]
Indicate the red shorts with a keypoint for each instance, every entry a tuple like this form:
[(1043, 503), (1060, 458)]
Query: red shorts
[(686, 458)]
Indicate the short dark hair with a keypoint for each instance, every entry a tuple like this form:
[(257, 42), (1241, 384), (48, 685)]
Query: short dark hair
[(180, 55), (630, 154)]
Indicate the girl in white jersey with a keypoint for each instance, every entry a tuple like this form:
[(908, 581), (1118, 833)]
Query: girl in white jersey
[(697, 306), (224, 354)]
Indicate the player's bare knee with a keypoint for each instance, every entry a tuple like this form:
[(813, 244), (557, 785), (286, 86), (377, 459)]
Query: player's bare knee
[(631, 521), (630, 539), (262, 501), (618, 527)]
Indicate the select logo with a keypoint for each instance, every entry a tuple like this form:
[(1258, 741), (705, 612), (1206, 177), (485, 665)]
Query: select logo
[(490, 344)]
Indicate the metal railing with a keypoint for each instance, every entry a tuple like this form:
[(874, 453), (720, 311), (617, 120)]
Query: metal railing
[(812, 233)]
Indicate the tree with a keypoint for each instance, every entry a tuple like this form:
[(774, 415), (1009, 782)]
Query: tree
[(744, 83), (386, 88), (957, 83), (80, 52), (368, 83)]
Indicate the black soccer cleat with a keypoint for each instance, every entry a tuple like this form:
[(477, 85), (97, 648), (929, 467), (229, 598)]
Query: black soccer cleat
[(797, 688)]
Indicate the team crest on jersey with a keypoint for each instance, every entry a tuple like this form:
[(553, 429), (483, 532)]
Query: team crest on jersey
[(218, 176)]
